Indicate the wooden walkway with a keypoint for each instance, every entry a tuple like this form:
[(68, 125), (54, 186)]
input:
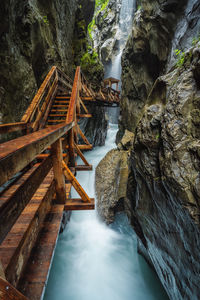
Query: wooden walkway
[(37, 172)]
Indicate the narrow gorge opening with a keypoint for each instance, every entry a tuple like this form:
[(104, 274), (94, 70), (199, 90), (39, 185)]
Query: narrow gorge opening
[(135, 226), (94, 260)]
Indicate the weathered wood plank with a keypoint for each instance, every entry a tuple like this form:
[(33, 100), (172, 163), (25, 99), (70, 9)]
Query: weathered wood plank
[(57, 157), (11, 127), (84, 115), (35, 276), (18, 153), (83, 168), (13, 200), (32, 107), (8, 292), (83, 136), (69, 175), (74, 97), (16, 248), (81, 155), (78, 204)]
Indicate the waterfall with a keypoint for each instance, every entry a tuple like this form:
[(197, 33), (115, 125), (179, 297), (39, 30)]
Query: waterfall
[(114, 69)]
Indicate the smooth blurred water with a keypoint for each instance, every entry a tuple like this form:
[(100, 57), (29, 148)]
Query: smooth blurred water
[(98, 262)]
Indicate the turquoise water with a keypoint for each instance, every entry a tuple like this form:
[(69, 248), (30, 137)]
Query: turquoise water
[(98, 262)]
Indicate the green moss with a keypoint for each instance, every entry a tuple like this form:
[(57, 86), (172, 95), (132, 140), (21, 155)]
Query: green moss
[(180, 57), (91, 66), (100, 5)]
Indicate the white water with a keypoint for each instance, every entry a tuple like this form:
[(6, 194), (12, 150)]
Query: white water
[(114, 68), (96, 262)]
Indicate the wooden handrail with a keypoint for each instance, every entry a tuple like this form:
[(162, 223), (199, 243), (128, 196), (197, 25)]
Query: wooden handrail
[(74, 97), (36, 100), (11, 127), (18, 153)]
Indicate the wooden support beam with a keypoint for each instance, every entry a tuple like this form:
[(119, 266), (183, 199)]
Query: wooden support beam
[(84, 107), (84, 115), (45, 155), (77, 204), (75, 183), (81, 155), (2, 273), (71, 148), (8, 292), (57, 157), (18, 153), (82, 135), (83, 168)]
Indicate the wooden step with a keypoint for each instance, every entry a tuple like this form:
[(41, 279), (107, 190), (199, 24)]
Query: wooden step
[(55, 121), (16, 247), (58, 110), (59, 105), (78, 204), (63, 97), (61, 102), (58, 115), (36, 273)]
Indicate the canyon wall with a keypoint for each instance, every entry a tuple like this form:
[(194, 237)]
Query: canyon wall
[(161, 106), (34, 35)]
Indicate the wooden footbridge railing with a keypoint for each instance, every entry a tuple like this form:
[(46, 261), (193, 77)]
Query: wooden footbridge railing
[(37, 172)]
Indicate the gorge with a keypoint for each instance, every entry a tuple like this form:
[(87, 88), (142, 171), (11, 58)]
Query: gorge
[(147, 187)]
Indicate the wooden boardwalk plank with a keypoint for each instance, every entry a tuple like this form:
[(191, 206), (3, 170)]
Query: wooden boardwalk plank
[(16, 247), (36, 273), (78, 204)]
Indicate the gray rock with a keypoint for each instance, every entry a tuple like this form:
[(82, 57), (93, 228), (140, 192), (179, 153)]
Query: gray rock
[(34, 36), (111, 184)]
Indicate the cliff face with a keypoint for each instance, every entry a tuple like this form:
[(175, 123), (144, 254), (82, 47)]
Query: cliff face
[(161, 105), (145, 56), (34, 35), (104, 29), (165, 169)]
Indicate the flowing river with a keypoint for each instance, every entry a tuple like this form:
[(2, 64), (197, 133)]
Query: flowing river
[(97, 262)]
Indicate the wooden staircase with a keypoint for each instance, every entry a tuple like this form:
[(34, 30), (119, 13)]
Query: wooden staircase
[(38, 171)]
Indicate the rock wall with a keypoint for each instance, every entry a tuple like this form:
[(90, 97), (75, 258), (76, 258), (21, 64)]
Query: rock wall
[(165, 168), (161, 105), (34, 35), (104, 29), (146, 55)]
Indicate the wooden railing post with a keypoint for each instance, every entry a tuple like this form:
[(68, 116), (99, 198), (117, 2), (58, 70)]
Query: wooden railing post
[(56, 151), (71, 148), (2, 274)]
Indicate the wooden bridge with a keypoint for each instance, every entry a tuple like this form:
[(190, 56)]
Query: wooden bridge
[(37, 172)]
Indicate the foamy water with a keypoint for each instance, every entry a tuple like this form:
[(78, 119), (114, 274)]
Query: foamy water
[(98, 262)]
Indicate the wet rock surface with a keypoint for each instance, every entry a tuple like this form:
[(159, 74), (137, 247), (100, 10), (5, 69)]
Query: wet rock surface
[(145, 56), (34, 35), (95, 128), (105, 28), (111, 184), (165, 166), (160, 105)]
